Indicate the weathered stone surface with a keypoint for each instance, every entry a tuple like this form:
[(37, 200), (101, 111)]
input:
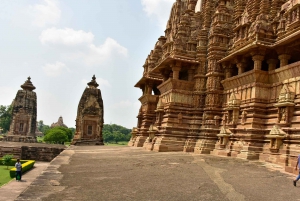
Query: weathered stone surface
[(224, 64), (24, 110), (89, 120), (132, 174)]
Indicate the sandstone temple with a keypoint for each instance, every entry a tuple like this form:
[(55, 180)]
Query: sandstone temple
[(59, 123), (89, 121), (24, 109), (224, 80)]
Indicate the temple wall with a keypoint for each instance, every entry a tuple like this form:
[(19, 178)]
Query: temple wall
[(33, 151), (229, 81)]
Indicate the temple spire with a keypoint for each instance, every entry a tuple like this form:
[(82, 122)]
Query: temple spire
[(28, 85), (93, 83)]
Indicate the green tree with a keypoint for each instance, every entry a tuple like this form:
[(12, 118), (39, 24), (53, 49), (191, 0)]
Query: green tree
[(7, 159), (73, 132), (107, 136), (40, 125), (56, 135), (5, 117), (115, 133), (118, 136), (67, 131), (45, 129)]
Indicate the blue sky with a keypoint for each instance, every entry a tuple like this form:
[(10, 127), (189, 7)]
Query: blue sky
[(62, 43)]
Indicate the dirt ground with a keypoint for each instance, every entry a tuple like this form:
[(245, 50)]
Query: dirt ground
[(129, 173)]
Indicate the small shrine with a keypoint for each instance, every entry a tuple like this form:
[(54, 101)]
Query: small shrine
[(89, 120), (24, 112)]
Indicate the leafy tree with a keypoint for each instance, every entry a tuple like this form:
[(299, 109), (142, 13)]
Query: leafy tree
[(7, 159), (115, 133), (73, 131), (45, 129), (40, 125), (118, 136), (56, 135), (67, 131), (5, 117), (108, 136)]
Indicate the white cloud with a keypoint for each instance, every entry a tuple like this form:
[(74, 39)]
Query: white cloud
[(44, 14), (78, 46), (126, 104), (67, 36), (97, 54), (158, 10), (7, 95), (56, 69)]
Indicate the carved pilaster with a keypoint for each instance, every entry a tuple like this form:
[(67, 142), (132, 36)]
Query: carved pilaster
[(284, 59), (241, 67), (257, 61), (272, 64)]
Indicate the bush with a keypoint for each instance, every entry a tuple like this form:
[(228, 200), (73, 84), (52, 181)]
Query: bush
[(26, 165), (6, 159), (56, 135)]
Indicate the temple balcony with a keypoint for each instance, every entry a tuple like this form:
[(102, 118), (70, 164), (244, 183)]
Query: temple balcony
[(177, 91), (174, 84), (246, 78), (148, 98)]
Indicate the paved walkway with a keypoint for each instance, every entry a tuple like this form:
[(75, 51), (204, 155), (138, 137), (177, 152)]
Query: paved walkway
[(13, 189), (128, 173)]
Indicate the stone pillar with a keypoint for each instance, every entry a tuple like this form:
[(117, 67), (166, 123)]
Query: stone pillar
[(228, 73), (164, 74), (176, 69), (149, 88), (272, 64), (190, 74), (284, 59), (257, 61), (228, 70), (241, 66)]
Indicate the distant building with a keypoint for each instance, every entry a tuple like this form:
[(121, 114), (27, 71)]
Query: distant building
[(59, 123)]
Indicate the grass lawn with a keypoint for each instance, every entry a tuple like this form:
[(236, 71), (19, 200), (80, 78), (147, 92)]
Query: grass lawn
[(114, 144), (4, 174)]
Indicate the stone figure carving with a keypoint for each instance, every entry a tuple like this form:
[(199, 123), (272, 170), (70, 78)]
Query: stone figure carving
[(244, 117)]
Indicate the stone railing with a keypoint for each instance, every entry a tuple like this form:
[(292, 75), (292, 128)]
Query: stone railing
[(148, 99), (246, 78), (268, 77), (175, 85), (285, 72)]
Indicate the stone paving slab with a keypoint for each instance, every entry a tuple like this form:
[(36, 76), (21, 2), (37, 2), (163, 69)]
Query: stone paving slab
[(13, 189), (129, 173)]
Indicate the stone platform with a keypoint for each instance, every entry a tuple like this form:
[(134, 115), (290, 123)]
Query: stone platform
[(130, 173), (31, 151)]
